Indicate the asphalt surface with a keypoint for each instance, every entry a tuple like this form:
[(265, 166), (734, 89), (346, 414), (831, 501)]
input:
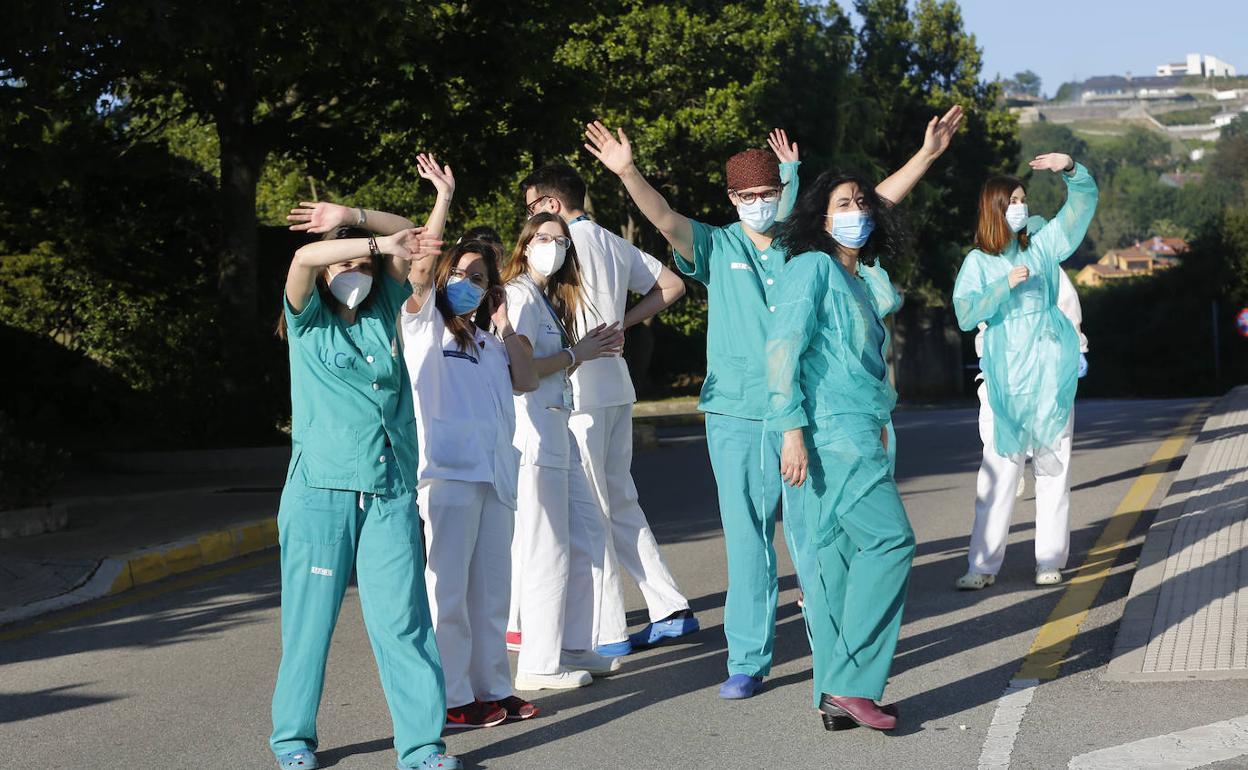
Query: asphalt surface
[(179, 675)]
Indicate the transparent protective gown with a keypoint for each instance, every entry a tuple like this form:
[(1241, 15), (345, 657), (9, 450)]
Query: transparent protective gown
[(1031, 350)]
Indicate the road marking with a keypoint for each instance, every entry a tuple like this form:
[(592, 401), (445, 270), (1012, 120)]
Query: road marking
[(59, 619), (1175, 751), (1005, 723), (1052, 643)]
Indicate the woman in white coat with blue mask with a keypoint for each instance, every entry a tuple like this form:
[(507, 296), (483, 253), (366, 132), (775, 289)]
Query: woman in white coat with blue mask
[(558, 530), (462, 381)]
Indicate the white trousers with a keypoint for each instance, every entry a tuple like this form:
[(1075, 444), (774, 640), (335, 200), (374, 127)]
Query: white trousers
[(605, 439), (468, 555), (995, 491), (558, 533)]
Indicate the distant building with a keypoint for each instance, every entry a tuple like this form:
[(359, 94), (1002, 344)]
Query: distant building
[(1105, 88), (1181, 179), (1205, 66), (1155, 254)]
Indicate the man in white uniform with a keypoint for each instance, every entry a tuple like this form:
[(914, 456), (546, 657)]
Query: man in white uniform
[(602, 419)]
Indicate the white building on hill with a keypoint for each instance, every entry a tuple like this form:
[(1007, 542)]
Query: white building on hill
[(1197, 64)]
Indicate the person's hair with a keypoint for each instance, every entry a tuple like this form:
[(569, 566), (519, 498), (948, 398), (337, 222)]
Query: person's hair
[(322, 280), (563, 289), (462, 329), (992, 232), (806, 227), (481, 233), (558, 181)]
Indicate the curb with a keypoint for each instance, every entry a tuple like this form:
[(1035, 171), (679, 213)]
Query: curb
[(117, 574)]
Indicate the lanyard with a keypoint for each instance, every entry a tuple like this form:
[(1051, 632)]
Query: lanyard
[(563, 341)]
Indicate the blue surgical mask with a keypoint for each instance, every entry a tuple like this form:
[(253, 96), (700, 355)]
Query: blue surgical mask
[(463, 296), (1016, 216), (760, 215), (851, 229)]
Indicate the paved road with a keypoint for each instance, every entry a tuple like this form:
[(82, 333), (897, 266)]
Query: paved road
[(180, 676)]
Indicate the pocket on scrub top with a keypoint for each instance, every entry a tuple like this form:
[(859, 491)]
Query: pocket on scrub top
[(455, 445), (725, 377), (328, 458)]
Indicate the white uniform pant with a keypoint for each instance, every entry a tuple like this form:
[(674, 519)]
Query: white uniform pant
[(468, 546), (996, 490), (558, 533), (605, 439)]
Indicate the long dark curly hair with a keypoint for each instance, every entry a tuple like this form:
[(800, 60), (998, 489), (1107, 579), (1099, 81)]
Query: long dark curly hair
[(806, 227)]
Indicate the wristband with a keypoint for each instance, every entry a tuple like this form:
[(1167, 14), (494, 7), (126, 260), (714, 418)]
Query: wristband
[(572, 355), (373, 251), (360, 217), (508, 335)]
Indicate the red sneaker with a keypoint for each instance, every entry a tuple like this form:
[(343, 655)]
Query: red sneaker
[(517, 708), (513, 641), (475, 714)]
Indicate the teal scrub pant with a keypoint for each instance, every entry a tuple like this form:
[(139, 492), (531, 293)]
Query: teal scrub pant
[(323, 533), (746, 463), (855, 548)]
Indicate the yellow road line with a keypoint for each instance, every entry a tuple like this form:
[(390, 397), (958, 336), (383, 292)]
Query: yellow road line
[(58, 619), (1053, 640)]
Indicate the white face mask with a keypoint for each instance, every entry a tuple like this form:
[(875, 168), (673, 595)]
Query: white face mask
[(546, 258), (1016, 216), (760, 215), (351, 287)]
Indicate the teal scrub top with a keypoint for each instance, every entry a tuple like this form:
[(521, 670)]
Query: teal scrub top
[(824, 350), (350, 393), (740, 282), (1031, 350)]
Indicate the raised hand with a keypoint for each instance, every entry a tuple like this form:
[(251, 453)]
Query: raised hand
[(1052, 161), (778, 140), (411, 244), (940, 132), (615, 152), (320, 217), (441, 176)]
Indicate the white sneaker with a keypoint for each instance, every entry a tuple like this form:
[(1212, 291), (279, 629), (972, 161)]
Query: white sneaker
[(588, 660), (974, 581), (563, 680), (1048, 576)]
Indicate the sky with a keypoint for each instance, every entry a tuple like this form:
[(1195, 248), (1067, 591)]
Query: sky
[(1065, 40)]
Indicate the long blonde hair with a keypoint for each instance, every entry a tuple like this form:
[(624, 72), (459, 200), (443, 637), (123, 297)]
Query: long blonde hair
[(563, 289)]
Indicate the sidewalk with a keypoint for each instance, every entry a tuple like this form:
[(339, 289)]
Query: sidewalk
[(139, 517), (1187, 613)]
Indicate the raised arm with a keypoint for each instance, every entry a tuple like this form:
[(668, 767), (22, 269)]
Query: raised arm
[(1058, 239), (405, 246), (421, 273), (616, 153), (936, 140), (322, 217), (789, 157)]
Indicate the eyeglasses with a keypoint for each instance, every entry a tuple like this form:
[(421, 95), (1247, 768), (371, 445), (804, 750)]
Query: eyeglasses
[(532, 207), (562, 240), (747, 198)]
